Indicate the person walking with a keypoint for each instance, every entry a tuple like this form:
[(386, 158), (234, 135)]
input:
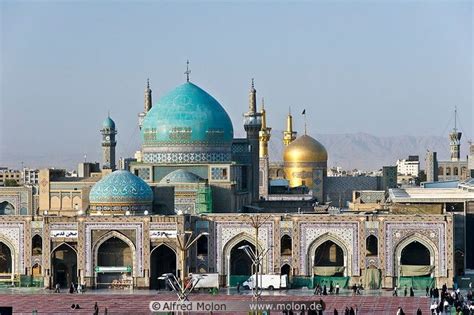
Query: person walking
[(96, 309), (79, 288), (395, 291), (405, 291), (238, 287), (71, 288), (412, 293), (56, 288), (337, 288), (418, 312)]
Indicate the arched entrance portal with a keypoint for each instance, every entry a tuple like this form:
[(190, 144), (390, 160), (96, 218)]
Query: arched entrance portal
[(329, 260), (162, 260), (415, 266), (415, 254), (64, 262), (240, 263), (114, 263), (5, 259)]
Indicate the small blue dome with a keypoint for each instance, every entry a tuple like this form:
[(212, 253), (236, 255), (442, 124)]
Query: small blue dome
[(108, 123), (181, 176), (187, 115), (121, 187)]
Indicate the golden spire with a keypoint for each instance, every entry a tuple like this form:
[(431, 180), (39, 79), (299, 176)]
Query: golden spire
[(264, 133), (289, 135)]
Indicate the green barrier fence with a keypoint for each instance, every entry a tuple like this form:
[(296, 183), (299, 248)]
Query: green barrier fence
[(299, 282), (417, 283), (234, 279), (325, 280)]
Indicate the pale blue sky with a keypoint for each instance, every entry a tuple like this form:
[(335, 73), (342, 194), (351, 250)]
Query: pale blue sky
[(385, 67)]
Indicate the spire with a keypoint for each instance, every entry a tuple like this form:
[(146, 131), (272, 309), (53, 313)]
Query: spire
[(264, 133), (289, 135), (252, 98), (455, 139), (187, 72), (148, 101)]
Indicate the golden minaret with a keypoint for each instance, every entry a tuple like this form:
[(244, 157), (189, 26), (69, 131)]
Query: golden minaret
[(289, 135), (264, 133)]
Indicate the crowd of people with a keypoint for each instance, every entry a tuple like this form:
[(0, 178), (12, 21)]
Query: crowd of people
[(447, 301), (323, 290)]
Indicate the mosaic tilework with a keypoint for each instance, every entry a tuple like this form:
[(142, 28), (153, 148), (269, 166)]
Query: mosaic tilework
[(181, 157), (396, 233), (13, 233), (346, 232), (137, 227)]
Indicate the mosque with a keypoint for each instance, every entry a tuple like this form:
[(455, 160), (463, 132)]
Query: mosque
[(193, 180)]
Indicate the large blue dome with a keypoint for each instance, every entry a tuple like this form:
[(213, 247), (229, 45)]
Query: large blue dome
[(187, 115), (121, 188)]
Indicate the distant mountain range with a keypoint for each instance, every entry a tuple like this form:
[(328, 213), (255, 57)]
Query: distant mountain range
[(359, 150), (368, 152)]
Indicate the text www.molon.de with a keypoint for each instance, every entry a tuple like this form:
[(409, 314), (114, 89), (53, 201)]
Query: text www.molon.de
[(232, 306)]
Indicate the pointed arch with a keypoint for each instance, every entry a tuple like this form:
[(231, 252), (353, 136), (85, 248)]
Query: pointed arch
[(63, 243), (425, 241), (231, 244), (8, 258), (336, 240), (125, 239), (7, 208), (163, 259)]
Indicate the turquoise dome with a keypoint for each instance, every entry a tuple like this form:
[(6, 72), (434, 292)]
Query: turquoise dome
[(121, 187), (108, 123), (181, 176), (187, 115)]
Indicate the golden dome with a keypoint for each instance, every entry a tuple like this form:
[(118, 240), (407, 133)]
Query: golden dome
[(305, 149)]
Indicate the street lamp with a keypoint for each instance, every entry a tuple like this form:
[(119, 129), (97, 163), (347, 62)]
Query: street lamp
[(185, 241), (182, 290), (256, 221)]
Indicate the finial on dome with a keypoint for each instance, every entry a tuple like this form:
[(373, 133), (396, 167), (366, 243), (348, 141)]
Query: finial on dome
[(263, 103), (187, 72), (253, 84), (148, 83)]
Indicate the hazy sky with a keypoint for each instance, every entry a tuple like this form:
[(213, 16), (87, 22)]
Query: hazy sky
[(384, 68)]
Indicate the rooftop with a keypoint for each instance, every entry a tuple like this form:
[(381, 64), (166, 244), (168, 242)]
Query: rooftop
[(421, 195)]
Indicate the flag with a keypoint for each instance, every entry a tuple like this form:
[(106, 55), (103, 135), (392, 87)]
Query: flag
[(304, 112)]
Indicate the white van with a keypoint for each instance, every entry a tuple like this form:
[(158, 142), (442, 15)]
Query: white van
[(269, 282), (206, 280)]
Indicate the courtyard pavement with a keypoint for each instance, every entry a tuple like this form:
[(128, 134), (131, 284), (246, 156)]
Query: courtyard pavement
[(128, 302)]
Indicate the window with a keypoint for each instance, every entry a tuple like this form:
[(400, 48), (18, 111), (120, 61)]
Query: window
[(371, 246), (202, 245)]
